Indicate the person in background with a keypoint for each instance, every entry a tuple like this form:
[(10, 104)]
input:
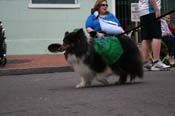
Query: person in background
[(151, 34), (171, 27), (169, 39), (92, 22)]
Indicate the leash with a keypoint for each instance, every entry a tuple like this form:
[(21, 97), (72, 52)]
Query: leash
[(135, 28)]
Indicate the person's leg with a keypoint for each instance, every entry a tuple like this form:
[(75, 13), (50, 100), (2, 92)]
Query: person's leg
[(155, 33), (157, 63), (156, 44), (145, 50), (173, 45), (170, 42), (146, 41)]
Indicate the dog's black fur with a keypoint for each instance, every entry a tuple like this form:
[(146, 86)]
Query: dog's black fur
[(75, 43)]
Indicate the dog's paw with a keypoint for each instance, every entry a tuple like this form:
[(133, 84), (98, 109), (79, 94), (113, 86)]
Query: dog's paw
[(103, 81), (80, 86)]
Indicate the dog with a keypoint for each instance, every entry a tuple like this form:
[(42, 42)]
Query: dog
[(85, 60)]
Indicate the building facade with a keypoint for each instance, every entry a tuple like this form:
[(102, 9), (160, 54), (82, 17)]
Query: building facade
[(31, 25)]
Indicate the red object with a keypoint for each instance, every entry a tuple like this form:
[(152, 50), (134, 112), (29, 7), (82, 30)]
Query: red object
[(172, 28)]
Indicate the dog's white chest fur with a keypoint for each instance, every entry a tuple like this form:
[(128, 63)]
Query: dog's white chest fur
[(78, 64)]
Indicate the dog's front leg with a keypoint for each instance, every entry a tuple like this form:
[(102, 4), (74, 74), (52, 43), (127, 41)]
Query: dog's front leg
[(85, 82)]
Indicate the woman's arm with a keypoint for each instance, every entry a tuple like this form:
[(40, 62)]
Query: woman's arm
[(97, 33), (115, 19), (156, 8)]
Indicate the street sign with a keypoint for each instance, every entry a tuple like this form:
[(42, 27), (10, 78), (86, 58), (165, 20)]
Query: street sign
[(135, 12)]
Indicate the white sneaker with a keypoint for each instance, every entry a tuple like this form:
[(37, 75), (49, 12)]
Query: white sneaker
[(159, 65), (147, 65)]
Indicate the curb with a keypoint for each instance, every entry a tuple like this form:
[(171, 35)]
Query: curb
[(35, 70)]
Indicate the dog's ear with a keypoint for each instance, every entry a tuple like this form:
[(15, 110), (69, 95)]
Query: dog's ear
[(66, 33)]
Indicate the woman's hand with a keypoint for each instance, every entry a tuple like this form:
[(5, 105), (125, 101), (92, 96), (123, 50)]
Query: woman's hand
[(158, 13), (167, 33), (100, 35)]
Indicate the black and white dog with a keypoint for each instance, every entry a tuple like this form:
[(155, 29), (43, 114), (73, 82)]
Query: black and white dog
[(84, 59)]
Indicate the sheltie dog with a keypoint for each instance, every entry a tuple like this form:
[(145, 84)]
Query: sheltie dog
[(84, 59)]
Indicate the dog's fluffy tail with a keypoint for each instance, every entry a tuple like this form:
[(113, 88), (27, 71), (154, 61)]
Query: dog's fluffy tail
[(131, 59)]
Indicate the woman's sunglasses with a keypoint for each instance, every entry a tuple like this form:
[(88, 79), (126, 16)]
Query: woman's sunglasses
[(104, 5)]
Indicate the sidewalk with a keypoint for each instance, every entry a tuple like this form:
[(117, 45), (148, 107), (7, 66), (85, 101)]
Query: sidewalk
[(34, 64)]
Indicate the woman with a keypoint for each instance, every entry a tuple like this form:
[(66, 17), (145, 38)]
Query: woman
[(171, 27), (169, 39), (92, 22)]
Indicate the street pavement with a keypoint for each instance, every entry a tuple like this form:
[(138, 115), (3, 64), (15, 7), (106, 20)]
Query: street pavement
[(54, 94)]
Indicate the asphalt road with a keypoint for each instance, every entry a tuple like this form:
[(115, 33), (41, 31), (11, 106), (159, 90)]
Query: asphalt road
[(55, 94)]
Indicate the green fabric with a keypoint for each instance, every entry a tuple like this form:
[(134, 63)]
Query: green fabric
[(109, 47), (76, 29), (163, 45)]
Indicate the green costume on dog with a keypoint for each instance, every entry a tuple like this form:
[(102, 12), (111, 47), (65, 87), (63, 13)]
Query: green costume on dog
[(109, 47)]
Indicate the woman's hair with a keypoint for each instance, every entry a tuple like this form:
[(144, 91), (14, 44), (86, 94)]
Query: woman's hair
[(97, 5)]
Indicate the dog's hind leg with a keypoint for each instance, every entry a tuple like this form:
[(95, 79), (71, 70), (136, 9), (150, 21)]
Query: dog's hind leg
[(102, 79), (122, 78), (122, 75), (132, 78)]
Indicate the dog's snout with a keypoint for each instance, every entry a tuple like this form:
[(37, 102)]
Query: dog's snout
[(66, 46)]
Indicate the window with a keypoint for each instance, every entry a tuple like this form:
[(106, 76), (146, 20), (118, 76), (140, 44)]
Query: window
[(54, 4)]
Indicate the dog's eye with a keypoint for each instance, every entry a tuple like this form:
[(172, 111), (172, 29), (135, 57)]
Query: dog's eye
[(65, 41)]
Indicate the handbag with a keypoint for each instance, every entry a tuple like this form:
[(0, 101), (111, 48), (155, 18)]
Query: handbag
[(110, 27)]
